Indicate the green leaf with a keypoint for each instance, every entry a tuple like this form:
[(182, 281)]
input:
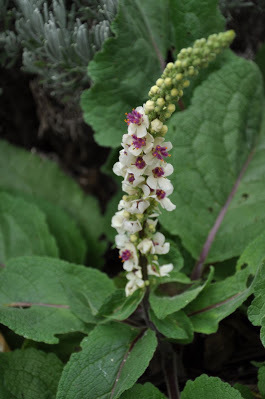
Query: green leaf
[(113, 357), (222, 298), (213, 142), (205, 387), (35, 300), (40, 179), (176, 326), (23, 230), (146, 391), (130, 62), (120, 307), (257, 307), (244, 391), (260, 59), (261, 381), (165, 305), (29, 374)]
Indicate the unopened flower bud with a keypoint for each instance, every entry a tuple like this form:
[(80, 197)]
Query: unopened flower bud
[(164, 130), (179, 76), (178, 63), (156, 125), (151, 228), (171, 108), (186, 83), (149, 106), (170, 65), (126, 214), (159, 82), (140, 216), (155, 257), (174, 92), (168, 82), (133, 238), (125, 197), (160, 102)]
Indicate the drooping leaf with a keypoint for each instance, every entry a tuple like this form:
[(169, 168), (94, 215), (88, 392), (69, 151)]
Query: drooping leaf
[(130, 62), (244, 391), (146, 391), (257, 307), (35, 300), (219, 142), (40, 179), (261, 381), (113, 357), (23, 230), (222, 298), (29, 374), (176, 326), (120, 307), (205, 387), (164, 305)]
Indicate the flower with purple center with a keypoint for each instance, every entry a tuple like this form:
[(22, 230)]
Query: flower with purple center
[(126, 255), (138, 142), (131, 178), (133, 117), (160, 194), (137, 122), (158, 172), (161, 153)]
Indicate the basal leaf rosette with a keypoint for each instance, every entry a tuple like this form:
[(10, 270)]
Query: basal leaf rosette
[(145, 170)]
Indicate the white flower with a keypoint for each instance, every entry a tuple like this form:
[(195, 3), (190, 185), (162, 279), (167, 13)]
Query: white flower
[(135, 282), (133, 180), (159, 151), (156, 125), (135, 145), (138, 122), (137, 168), (145, 246), (160, 195), (160, 246), (162, 270), (126, 159), (121, 223), (119, 169), (129, 257), (138, 206), (157, 177), (121, 240)]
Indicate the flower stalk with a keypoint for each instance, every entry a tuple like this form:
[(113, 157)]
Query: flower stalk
[(143, 164)]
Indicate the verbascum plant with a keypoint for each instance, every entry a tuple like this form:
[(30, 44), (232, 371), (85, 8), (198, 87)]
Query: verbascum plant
[(144, 167)]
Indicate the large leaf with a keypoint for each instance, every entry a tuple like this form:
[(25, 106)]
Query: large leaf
[(205, 387), (222, 298), (29, 374), (35, 298), (257, 307), (41, 179), (130, 62), (218, 155), (23, 230), (164, 305), (113, 357), (146, 391)]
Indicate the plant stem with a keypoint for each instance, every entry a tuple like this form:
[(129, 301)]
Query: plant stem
[(169, 366)]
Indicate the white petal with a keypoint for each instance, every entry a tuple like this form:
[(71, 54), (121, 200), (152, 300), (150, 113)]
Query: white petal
[(152, 182), (145, 246), (132, 226), (132, 128), (165, 185), (141, 131), (121, 240), (168, 169), (167, 204), (165, 269)]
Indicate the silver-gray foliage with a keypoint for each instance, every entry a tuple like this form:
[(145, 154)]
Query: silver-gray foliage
[(56, 42)]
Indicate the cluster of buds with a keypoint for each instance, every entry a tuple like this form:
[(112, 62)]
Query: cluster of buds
[(145, 170), (169, 88)]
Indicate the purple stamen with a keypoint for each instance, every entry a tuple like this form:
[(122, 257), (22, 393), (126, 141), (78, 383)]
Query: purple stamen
[(138, 142), (160, 194), (140, 163), (131, 178), (161, 152), (158, 172), (134, 117), (126, 255)]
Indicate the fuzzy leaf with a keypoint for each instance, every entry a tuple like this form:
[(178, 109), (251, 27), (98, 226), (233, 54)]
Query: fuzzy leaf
[(23, 230), (205, 387), (40, 179), (222, 298), (213, 142), (146, 391), (113, 357), (165, 305), (176, 326), (36, 374), (261, 381), (130, 62), (35, 300), (244, 391), (120, 307), (256, 309)]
